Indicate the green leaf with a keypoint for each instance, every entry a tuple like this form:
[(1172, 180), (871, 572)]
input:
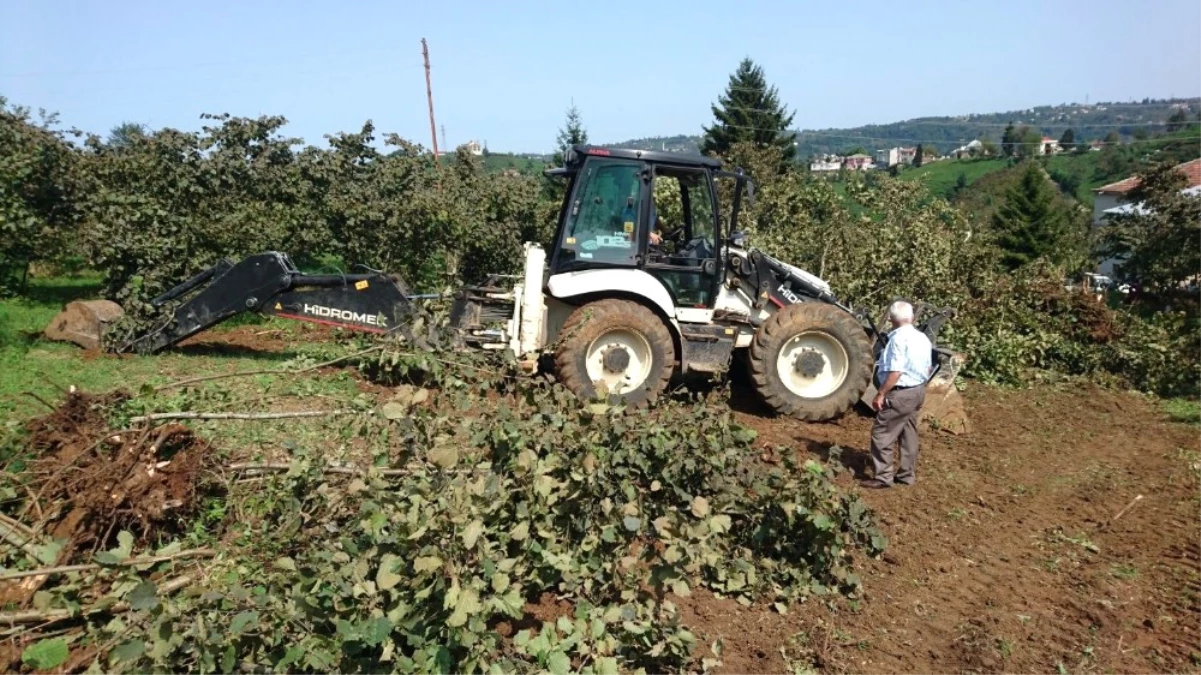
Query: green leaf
[(286, 563), (386, 577), (700, 506), (125, 543), (144, 596), (606, 665), (376, 631), (472, 532), (129, 652), (427, 564), (631, 523), (444, 456), (520, 532), (558, 662), (468, 603), (500, 582), (720, 523), (680, 588), (244, 620), (822, 522), (46, 654)]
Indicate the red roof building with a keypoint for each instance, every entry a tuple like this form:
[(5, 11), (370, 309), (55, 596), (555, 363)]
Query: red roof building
[(1191, 171)]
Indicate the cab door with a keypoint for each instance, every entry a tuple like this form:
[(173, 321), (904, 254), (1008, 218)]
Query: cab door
[(687, 261), (604, 222)]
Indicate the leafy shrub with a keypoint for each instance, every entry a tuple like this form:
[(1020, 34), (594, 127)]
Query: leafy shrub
[(500, 503)]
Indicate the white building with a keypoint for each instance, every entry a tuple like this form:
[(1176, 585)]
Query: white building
[(894, 156)]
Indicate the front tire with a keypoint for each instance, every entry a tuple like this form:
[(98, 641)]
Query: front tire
[(618, 345), (811, 361)]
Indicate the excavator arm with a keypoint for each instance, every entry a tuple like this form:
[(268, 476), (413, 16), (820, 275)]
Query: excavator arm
[(268, 283)]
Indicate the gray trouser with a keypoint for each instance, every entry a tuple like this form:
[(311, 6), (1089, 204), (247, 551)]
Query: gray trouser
[(898, 419)]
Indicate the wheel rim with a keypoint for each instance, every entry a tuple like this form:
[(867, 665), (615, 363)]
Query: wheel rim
[(812, 364), (620, 360)]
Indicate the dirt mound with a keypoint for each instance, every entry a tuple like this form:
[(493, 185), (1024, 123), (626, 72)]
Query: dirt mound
[(91, 481)]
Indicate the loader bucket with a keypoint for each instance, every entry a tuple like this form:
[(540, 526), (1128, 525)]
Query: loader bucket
[(944, 409), (83, 322)]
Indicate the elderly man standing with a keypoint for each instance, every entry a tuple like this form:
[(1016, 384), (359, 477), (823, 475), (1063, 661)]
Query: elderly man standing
[(906, 365)]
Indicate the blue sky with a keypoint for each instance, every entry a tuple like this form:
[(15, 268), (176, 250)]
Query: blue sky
[(504, 72)]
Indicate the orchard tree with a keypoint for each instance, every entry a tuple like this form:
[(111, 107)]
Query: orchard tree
[(1157, 240), (750, 111), (573, 133), (1027, 142), (124, 134), (1031, 224)]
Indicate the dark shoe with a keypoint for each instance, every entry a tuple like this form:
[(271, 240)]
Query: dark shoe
[(873, 484)]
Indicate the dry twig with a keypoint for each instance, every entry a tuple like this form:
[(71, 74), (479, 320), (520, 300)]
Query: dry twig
[(265, 371)]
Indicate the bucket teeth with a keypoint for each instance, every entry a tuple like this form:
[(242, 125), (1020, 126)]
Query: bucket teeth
[(83, 322)]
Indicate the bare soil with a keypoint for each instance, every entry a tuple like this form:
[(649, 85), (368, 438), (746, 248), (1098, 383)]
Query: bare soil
[(243, 339), (1006, 555)]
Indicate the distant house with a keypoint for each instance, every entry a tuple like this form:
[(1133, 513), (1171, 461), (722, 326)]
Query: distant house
[(1049, 146), (970, 150), (1112, 199), (826, 163), (474, 148), (857, 162), (894, 156)]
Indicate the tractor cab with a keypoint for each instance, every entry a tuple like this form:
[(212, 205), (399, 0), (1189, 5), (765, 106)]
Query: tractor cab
[(652, 212)]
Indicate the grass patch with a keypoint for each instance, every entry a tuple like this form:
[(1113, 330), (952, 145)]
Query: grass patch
[(1184, 410), (941, 177), (30, 364)]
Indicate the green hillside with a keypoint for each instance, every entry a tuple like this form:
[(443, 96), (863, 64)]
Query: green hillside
[(941, 178), (1077, 173), (1089, 122)]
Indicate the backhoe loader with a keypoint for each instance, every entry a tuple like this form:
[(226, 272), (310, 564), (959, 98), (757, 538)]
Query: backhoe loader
[(618, 312)]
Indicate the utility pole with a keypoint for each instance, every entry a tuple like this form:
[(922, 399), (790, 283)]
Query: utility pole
[(443, 129), (429, 94)]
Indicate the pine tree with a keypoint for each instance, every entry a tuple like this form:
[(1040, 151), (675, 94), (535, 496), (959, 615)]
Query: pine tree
[(1030, 224), (1007, 141), (1068, 140), (573, 133), (750, 111)]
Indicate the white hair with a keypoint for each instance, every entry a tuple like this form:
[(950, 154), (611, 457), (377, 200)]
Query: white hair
[(900, 311)]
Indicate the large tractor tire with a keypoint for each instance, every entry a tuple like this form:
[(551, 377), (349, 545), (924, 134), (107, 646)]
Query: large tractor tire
[(811, 361), (618, 345)]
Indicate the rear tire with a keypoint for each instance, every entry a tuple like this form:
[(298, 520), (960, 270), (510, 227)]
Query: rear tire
[(620, 343), (811, 361)]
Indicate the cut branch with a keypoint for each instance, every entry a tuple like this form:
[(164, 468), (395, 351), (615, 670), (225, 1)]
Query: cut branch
[(51, 615), (63, 569), (266, 371), (339, 470), (236, 416)]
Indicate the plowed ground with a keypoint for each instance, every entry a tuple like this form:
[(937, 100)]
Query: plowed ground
[(1005, 557)]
